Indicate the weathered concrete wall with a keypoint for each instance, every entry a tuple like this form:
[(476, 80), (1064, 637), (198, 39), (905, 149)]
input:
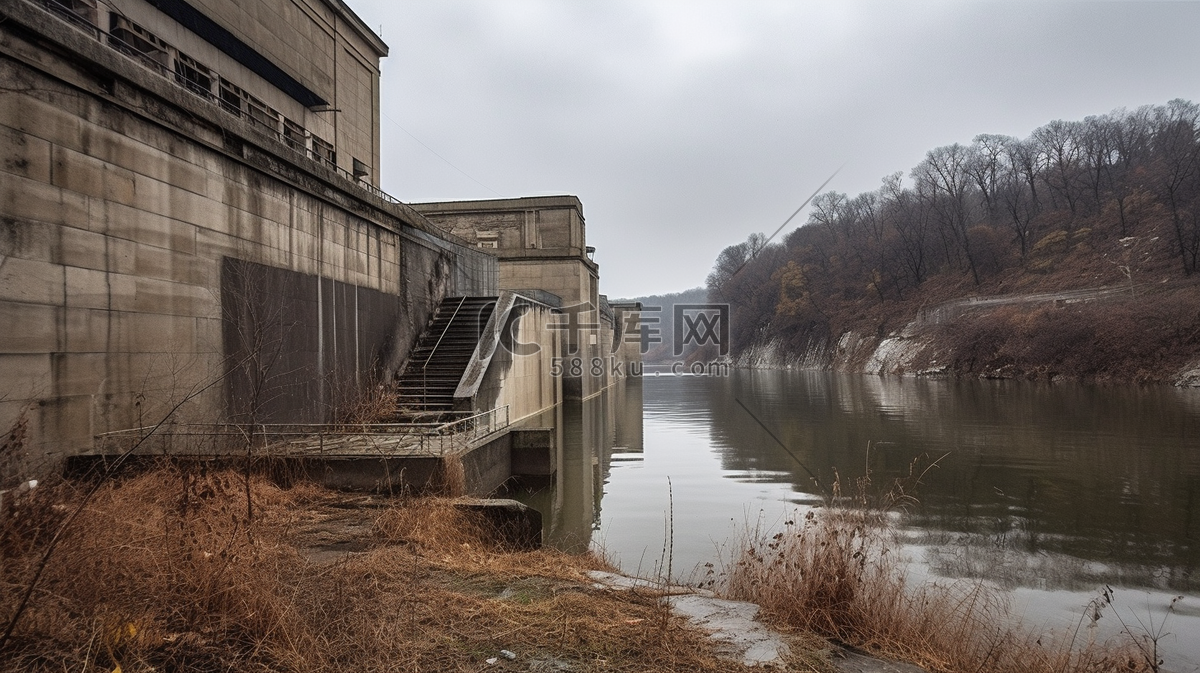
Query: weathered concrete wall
[(322, 45), (513, 365), (541, 242), (521, 373), (545, 356), (534, 455), (121, 196), (567, 278), (627, 336), (303, 346), (540, 226)]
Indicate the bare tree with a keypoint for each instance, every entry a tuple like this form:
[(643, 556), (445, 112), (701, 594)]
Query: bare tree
[(909, 219), (1058, 142), (1020, 205), (986, 162), (943, 182), (1176, 153), (1026, 159), (1131, 142), (1096, 141)]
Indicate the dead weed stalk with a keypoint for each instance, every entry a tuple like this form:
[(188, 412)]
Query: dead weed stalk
[(835, 571)]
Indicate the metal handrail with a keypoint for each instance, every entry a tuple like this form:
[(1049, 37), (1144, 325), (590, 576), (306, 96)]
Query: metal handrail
[(462, 421), (450, 432), (427, 438), (424, 382), (313, 428)]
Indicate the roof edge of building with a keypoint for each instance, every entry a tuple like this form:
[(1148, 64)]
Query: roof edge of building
[(492, 205), (364, 31)]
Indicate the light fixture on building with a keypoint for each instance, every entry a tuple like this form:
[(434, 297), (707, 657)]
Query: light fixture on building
[(591, 252)]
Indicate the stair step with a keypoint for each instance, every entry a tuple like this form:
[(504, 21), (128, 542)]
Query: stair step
[(441, 355), (432, 376)]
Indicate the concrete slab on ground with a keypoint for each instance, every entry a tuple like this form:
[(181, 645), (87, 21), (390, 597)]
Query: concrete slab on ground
[(732, 624), (735, 626), (852, 662)]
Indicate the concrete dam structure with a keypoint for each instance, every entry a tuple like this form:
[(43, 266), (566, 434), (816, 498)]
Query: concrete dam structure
[(192, 234)]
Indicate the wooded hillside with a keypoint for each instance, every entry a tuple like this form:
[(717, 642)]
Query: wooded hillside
[(1112, 201)]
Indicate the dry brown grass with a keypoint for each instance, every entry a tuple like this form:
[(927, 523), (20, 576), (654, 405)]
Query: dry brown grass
[(163, 571), (1145, 339), (163, 568), (835, 572), (377, 404)]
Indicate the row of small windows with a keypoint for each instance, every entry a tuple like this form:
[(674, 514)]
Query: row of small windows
[(131, 39)]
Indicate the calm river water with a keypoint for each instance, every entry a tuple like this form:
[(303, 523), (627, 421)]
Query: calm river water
[(1050, 491)]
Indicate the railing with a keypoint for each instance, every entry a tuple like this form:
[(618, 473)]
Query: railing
[(477, 426), (134, 54), (307, 439), (424, 382), (65, 13)]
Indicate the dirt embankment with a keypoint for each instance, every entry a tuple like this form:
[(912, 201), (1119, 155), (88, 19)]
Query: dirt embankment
[(175, 570), (1081, 318), (1143, 335), (1086, 303), (1139, 334)]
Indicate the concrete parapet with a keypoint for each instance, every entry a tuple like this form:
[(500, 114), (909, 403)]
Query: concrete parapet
[(513, 363)]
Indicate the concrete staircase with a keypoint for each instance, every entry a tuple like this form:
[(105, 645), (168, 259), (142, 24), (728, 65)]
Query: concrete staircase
[(426, 385)]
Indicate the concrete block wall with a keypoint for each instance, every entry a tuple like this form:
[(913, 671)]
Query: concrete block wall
[(120, 200)]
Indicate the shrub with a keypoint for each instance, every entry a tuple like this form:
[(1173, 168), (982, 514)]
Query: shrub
[(836, 571)]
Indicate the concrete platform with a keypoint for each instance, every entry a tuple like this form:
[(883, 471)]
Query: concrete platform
[(372, 459)]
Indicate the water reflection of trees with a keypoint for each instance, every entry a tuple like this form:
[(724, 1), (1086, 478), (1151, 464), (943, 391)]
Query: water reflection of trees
[(1102, 475)]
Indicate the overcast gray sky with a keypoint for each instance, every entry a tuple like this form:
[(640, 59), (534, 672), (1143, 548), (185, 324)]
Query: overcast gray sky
[(685, 126)]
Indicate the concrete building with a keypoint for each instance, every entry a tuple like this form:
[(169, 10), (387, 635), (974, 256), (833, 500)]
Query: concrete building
[(189, 215), (191, 228), (541, 243), (306, 72)]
